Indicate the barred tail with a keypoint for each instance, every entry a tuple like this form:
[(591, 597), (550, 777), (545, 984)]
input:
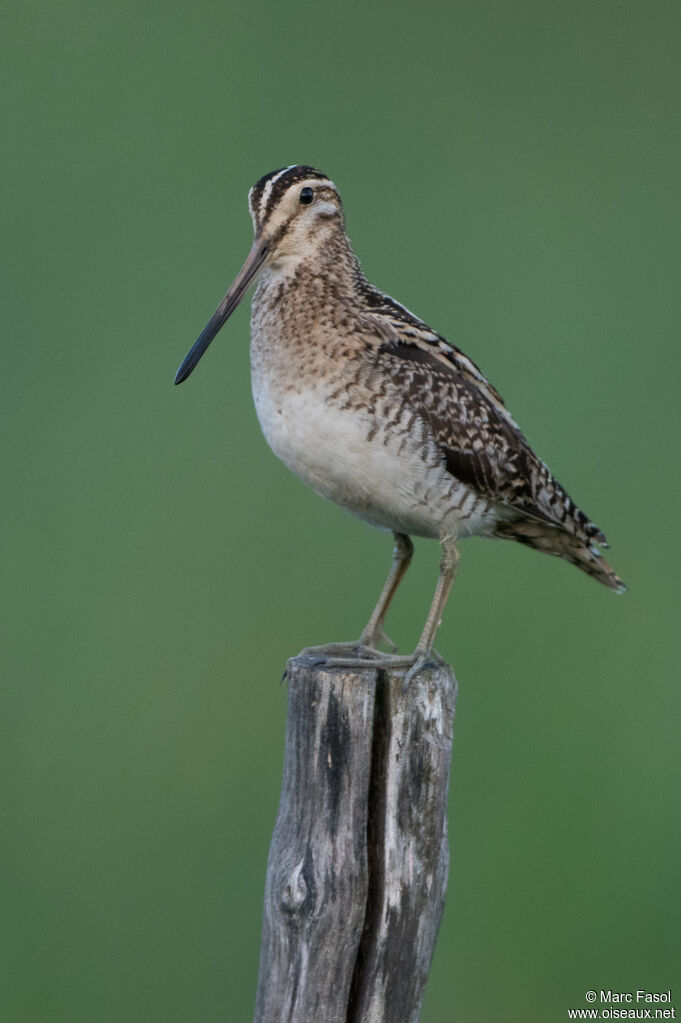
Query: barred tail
[(552, 540)]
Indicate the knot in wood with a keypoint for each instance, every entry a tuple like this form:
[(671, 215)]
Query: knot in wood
[(295, 890)]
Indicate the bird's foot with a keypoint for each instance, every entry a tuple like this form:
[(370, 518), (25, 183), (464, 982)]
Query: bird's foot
[(376, 639), (366, 646), (426, 659), (350, 651), (368, 657)]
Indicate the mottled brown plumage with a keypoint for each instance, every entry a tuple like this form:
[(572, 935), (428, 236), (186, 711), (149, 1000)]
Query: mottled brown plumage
[(377, 412)]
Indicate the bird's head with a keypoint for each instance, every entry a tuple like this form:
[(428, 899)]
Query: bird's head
[(296, 213)]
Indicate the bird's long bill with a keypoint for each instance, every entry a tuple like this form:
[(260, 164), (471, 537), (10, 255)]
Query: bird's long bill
[(254, 261)]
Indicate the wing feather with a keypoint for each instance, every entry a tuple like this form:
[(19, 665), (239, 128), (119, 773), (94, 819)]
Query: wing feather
[(481, 444)]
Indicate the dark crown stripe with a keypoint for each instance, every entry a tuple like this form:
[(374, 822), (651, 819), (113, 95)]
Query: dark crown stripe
[(301, 172), (259, 188)]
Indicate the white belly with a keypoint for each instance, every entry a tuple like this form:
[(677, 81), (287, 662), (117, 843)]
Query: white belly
[(392, 481)]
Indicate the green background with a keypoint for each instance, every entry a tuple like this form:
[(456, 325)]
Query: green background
[(510, 171)]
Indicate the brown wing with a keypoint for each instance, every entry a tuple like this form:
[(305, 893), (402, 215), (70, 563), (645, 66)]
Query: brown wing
[(396, 323), (480, 443)]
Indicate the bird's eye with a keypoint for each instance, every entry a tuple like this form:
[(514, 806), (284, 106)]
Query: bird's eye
[(306, 195)]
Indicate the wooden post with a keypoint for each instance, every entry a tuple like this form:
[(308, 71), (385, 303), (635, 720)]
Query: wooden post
[(357, 870)]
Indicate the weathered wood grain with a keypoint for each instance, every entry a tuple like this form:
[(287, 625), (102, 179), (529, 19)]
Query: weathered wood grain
[(358, 863)]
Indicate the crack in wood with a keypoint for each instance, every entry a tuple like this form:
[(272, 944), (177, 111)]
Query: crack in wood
[(358, 863)]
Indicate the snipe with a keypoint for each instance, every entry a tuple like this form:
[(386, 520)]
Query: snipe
[(379, 413)]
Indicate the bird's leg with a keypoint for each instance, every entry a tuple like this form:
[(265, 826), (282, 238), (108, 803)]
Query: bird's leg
[(424, 648), (423, 653), (448, 564), (373, 633), (402, 554)]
